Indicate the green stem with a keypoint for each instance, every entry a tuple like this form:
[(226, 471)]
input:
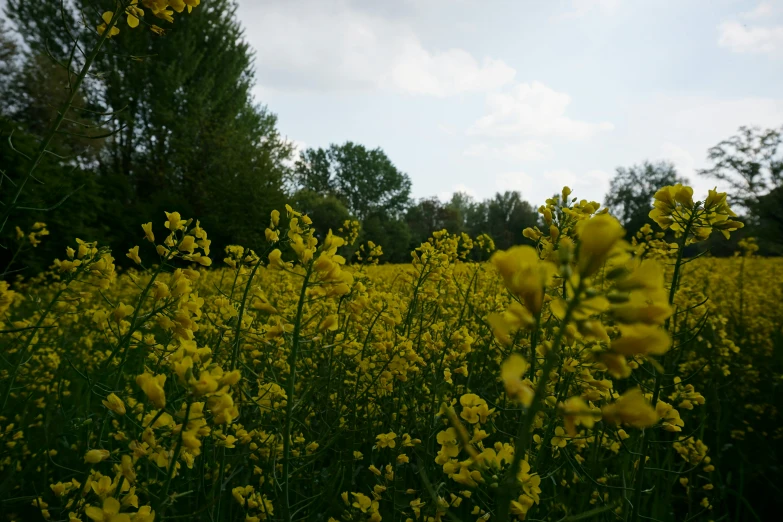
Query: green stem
[(238, 332), (510, 484), (173, 465), (639, 479), (289, 407)]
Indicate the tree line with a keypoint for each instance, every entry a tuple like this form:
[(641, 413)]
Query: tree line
[(169, 122)]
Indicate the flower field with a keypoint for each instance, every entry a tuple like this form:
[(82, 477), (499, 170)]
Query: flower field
[(598, 375)]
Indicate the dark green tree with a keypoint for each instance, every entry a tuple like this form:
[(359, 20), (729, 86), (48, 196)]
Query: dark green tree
[(750, 163), (326, 211), (187, 133), (427, 216), (391, 233), (632, 189), (365, 180), (503, 217)]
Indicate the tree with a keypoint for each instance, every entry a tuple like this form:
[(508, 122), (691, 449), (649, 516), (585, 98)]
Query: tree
[(749, 162), (188, 135), (507, 216), (365, 180), (427, 216), (326, 211), (632, 189), (391, 233)]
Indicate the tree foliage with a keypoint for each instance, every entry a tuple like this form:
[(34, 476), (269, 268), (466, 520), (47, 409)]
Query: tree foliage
[(632, 189), (749, 162), (186, 133), (365, 180)]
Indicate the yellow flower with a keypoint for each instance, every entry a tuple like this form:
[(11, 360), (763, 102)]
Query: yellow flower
[(95, 456), (276, 259), (107, 17), (641, 339), (559, 440), (330, 323), (670, 417), (364, 503), (133, 254), (511, 372), (152, 386), (597, 237), (174, 221), (575, 412), (271, 235), (525, 275), (134, 12), (632, 409), (121, 312), (110, 512), (386, 440), (115, 404)]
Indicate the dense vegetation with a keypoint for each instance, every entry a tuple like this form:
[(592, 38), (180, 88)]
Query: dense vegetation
[(256, 360)]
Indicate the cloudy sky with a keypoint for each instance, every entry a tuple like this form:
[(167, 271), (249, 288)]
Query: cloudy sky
[(529, 95)]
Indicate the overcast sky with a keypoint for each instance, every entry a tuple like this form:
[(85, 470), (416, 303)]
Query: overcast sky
[(489, 95)]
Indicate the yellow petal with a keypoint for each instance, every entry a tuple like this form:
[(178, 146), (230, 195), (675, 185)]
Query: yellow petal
[(111, 506)]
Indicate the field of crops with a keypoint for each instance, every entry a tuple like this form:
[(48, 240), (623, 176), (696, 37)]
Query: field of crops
[(589, 378)]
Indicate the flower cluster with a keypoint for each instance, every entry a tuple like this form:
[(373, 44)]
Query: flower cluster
[(133, 12), (559, 379)]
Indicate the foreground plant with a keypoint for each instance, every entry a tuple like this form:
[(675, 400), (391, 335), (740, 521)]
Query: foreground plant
[(558, 381)]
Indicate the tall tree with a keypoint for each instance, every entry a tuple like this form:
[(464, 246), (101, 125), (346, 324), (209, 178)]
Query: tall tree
[(507, 216), (364, 179), (427, 216), (632, 189), (750, 162), (189, 136)]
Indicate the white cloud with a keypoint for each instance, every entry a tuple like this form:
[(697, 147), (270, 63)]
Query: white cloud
[(533, 109), (596, 179), (559, 178), (753, 36), (330, 45), (763, 10), (530, 150), (740, 38), (581, 8), (459, 187), (448, 129), (683, 160), (514, 181), (450, 72)]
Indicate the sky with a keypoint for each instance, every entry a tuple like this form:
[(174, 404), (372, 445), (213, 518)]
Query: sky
[(483, 96)]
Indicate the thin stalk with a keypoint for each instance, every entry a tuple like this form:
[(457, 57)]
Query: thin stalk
[(289, 407), (238, 332), (173, 465), (639, 479), (510, 484)]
